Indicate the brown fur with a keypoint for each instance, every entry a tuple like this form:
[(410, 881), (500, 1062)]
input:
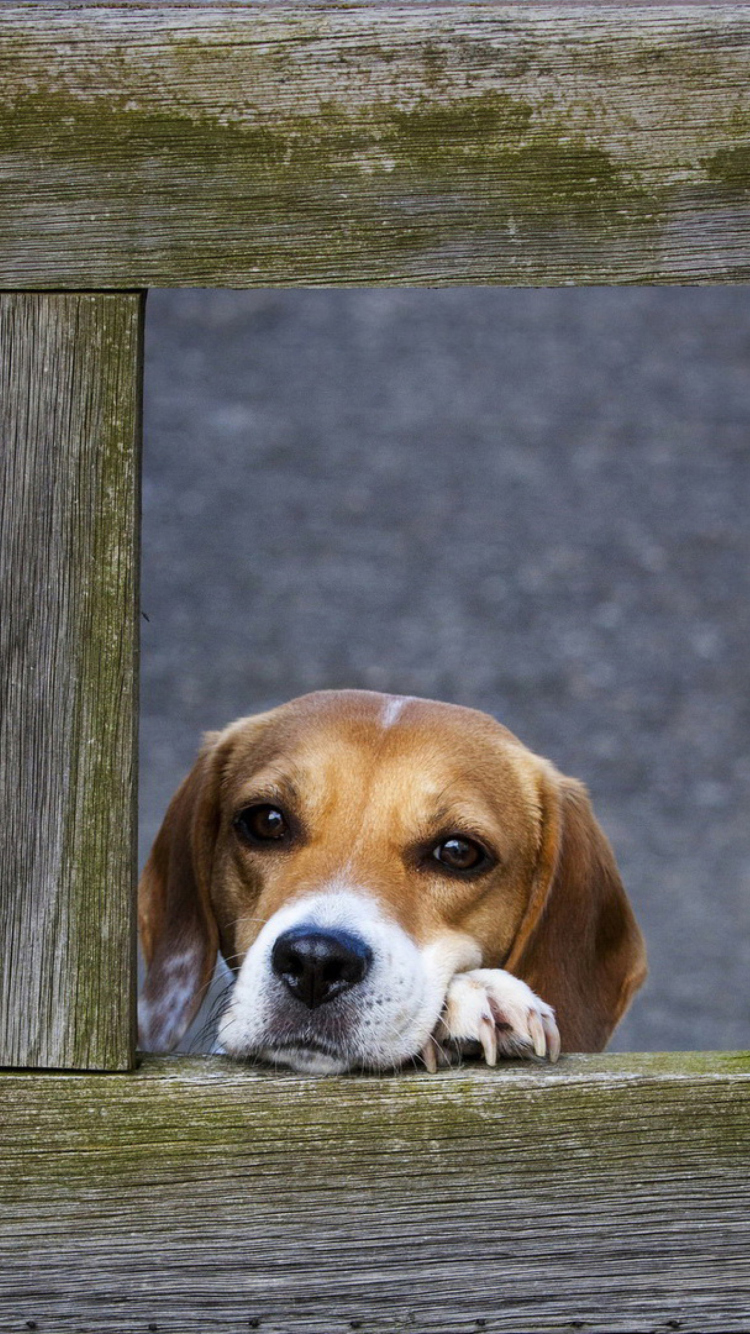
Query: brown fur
[(367, 798)]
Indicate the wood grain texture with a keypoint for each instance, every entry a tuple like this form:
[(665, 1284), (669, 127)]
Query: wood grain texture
[(610, 1194), (70, 403), (256, 144)]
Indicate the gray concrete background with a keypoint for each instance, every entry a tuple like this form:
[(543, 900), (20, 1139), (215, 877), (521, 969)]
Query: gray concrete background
[(533, 502)]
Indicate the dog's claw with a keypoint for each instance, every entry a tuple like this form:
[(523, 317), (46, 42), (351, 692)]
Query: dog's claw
[(488, 1039), (553, 1039), (443, 1056), (429, 1056), (536, 1030)]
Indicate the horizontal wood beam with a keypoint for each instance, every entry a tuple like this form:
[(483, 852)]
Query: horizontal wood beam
[(254, 144), (607, 1194)]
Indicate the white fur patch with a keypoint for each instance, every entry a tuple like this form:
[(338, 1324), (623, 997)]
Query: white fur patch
[(392, 709), (378, 1024), (168, 1000)]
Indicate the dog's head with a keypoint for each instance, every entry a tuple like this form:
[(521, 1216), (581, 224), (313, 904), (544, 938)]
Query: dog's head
[(349, 853)]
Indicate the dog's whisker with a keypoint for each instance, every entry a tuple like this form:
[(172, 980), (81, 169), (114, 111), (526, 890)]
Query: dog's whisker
[(207, 1031), (240, 921)]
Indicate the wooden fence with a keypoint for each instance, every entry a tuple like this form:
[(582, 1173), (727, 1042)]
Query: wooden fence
[(148, 144)]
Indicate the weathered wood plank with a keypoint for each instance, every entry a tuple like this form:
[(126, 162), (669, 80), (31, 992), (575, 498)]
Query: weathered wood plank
[(151, 145), (609, 1194), (70, 404)]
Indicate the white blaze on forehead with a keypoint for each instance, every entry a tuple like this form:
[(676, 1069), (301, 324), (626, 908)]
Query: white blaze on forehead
[(392, 708)]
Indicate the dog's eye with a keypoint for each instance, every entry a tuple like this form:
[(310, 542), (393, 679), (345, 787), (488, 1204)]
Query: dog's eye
[(261, 824), (460, 854)]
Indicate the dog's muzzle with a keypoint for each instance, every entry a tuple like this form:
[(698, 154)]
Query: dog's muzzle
[(331, 984)]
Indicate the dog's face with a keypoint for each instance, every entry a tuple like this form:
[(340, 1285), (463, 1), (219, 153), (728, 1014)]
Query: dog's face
[(349, 853)]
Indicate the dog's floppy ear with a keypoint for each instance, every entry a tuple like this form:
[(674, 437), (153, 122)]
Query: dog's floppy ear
[(579, 946), (178, 931)]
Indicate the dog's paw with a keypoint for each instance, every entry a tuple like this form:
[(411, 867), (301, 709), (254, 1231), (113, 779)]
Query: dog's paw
[(500, 1012)]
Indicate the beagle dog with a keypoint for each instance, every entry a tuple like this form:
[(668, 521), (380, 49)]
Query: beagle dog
[(388, 878)]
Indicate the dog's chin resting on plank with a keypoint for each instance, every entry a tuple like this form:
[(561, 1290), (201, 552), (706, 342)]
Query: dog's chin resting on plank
[(388, 878)]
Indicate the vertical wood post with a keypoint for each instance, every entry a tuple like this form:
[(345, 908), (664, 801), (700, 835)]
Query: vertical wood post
[(70, 409)]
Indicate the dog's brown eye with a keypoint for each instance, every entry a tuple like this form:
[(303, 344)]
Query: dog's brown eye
[(459, 854), (261, 824)]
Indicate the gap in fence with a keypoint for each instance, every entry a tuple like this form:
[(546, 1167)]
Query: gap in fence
[(529, 501)]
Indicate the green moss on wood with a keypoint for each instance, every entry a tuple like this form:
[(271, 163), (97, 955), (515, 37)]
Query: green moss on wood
[(697, 1103), (356, 145), (730, 167), (67, 842), (494, 164)]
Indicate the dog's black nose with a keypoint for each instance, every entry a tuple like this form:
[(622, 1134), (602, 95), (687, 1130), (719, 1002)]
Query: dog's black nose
[(317, 966)]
